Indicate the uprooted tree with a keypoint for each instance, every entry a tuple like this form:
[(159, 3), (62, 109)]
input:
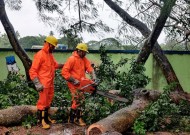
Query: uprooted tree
[(150, 45)]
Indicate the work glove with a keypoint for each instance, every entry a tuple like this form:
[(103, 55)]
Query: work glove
[(39, 87), (74, 81)]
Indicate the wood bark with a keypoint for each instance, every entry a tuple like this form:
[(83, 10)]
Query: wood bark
[(118, 122), (14, 40), (121, 120), (15, 115), (145, 51)]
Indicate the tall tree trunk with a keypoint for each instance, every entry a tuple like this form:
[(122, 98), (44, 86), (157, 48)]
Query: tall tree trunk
[(146, 49), (13, 39)]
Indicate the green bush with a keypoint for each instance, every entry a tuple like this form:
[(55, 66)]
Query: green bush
[(164, 115), (15, 91)]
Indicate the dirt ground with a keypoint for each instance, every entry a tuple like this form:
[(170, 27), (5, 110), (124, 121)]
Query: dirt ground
[(56, 129), (65, 129)]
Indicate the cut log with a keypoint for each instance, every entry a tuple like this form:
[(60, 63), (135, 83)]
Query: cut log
[(14, 115), (121, 120), (4, 131)]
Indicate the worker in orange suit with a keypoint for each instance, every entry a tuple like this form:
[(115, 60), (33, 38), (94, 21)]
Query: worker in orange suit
[(73, 71), (42, 74)]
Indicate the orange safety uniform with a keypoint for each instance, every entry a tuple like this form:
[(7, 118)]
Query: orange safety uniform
[(75, 67), (43, 67)]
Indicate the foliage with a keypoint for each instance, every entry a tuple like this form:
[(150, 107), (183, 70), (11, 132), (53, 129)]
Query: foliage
[(29, 121), (109, 43), (29, 41), (15, 91), (4, 42), (86, 12), (139, 128), (174, 45), (126, 81), (62, 96), (136, 77), (111, 77), (82, 17), (164, 115), (63, 40), (14, 4), (72, 38)]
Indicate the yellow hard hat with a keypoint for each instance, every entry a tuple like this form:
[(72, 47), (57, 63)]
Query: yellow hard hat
[(83, 47), (52, 40)]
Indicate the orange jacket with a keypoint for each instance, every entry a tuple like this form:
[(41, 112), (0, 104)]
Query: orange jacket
[(43, 67), (76, 67)]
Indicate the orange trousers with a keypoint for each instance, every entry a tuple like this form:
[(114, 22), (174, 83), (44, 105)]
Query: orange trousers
[(77, 98), (45, 98)]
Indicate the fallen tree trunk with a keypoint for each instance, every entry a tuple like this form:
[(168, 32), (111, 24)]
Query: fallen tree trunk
[(14, 115), (124, 118), (121, 120)]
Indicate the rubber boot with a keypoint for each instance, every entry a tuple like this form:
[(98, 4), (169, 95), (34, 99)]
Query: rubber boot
[(43, 122), (47, 118), (79, 121), (72, 116)]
